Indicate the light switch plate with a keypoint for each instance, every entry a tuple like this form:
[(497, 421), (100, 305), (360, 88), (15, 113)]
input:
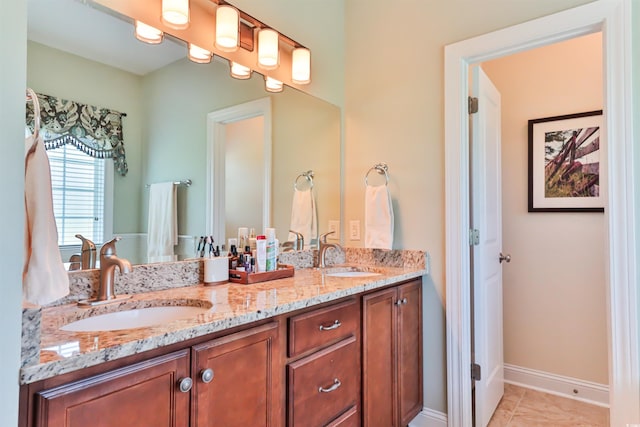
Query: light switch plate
[(335, 227), (354, 229)]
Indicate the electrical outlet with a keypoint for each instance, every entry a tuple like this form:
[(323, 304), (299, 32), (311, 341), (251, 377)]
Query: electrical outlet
[(335, 227), (354, 229)]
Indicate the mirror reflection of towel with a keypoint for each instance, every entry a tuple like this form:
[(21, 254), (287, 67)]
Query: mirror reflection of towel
[(378, 218), (304, 216), (44, 278), (162, 230)]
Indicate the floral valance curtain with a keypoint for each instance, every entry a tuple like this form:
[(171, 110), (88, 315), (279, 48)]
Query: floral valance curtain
[(94, 130)]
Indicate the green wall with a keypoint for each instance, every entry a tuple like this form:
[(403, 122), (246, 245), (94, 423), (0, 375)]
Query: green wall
[(54, 72)]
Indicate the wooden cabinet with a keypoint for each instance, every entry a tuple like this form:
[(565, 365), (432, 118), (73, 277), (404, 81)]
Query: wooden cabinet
[(392, 355), (145, 394), (236, 379), (323, 386)]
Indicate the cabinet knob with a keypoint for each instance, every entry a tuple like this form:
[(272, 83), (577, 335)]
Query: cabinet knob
[(185, 384), (206, 375), (401, 301), (335, 325), (336, 384)]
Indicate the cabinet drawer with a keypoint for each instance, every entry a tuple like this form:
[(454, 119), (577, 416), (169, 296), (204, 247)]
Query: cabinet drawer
[(351, 418), (323, 385), (323, 326)]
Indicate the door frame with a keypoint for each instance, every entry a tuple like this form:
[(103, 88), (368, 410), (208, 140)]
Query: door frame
[(215, 182), (613, 18)]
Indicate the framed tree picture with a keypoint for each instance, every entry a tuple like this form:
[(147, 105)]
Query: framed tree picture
[(567, 163)]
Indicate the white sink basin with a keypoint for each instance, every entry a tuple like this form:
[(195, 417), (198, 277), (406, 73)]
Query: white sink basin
[(135, 318), (352, 274)]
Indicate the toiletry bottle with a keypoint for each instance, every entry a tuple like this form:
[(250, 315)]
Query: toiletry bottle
[(270, 233), (233, 258), (261, 253), (243, 237), (246, 259)]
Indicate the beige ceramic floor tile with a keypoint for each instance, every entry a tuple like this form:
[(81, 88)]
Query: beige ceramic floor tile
[(500, 418), (537, 408)]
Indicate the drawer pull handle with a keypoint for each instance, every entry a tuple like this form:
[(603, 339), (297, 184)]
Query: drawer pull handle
[(206, 375), (335, 386), (335, 325), (185, 384)]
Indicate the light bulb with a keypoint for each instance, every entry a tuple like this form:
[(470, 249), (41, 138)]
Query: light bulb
[(268, 54), (239, 71), (175, 13), (301, 65), (199, 55), (272, 85), (227, 23), (147, 33)]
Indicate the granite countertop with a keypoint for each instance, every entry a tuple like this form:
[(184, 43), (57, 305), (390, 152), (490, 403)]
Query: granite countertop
[(228, 304)]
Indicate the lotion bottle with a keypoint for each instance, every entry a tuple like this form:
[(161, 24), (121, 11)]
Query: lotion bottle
[(261, 253)]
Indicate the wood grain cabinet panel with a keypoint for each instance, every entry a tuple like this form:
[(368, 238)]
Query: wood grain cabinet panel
[(324, 385), (392, 355), (244, 389), (323, 326), (144, 394)]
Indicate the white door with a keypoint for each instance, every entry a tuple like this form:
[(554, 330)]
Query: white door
[(486, 212)]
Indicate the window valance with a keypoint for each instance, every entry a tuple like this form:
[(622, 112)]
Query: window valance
[(95, 131)]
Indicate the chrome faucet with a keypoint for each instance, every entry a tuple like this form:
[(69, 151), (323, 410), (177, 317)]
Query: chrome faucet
[(299, 242), (108, 263), (87, 253), (322, 248)]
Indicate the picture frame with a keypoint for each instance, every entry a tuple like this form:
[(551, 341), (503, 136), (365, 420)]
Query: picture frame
[(567, 163)]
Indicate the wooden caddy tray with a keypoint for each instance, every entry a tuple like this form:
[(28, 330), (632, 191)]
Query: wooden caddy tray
[(245, 278)]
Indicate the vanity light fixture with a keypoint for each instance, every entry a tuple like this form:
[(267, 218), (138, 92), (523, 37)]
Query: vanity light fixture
[(175, 13), (199, 55), (227, 28), (147, 33), (239, 71), (272, 85), (301, 65), (268, 50)]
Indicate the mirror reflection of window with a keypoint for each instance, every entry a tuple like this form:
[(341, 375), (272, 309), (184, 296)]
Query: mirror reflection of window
[(77, 184)]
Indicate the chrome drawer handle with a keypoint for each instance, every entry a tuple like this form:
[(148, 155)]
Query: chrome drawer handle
[(335, 325), (335, 386)]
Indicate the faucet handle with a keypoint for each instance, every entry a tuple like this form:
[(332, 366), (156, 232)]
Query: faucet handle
[(109, 248), (323, 237)]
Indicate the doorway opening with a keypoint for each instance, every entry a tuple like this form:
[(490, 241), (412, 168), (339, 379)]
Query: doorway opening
[(613, 19)]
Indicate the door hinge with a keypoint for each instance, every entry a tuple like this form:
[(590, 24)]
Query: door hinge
[(476, 372), (474, 237), (473, 105)]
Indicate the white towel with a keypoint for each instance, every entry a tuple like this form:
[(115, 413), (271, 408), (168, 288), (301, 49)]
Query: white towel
[(44, 278), (304, 216), (378, 218), (162, 230)]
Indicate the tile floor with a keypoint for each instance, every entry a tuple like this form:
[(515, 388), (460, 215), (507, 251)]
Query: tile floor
[(523, 407)]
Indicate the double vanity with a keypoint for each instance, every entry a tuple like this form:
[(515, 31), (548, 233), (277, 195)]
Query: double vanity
[(339, 346)]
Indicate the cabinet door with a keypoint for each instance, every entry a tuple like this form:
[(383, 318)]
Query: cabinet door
[(245, 381), (145, 394), (378, 358), (409, 351)]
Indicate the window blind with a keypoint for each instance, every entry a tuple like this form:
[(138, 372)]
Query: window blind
[(77, 183)]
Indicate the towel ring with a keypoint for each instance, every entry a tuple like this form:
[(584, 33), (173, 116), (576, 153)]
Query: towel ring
[(382, 169), (308, 176)]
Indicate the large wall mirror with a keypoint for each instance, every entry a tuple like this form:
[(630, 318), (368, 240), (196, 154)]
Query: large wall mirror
[(77, 51)]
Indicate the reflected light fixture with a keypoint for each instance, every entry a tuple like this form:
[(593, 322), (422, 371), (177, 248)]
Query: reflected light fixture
[(268, 53), (239, 71), (272, 85), (199, 55), (227, 28), (301, 65), (147, 33), (175, 13)]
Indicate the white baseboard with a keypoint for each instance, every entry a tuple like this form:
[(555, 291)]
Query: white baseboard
[(573, 388), (429, 418)]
